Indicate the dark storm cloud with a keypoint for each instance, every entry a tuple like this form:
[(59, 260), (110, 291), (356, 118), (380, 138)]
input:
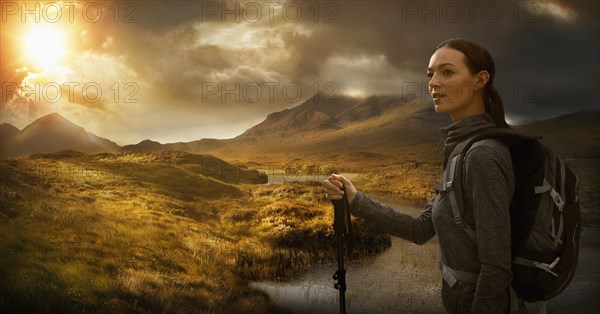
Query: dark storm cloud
[(546, 52)]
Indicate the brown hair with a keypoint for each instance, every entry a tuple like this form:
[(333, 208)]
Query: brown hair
[(478, 59)]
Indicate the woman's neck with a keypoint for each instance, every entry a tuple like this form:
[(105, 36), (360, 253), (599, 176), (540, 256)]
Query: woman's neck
[(475, 108)]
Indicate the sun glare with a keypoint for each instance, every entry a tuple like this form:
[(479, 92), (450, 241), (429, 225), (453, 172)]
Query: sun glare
[(354, 92), (44, 46)]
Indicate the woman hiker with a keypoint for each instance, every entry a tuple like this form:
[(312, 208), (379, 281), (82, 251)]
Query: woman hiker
[(461, 75)]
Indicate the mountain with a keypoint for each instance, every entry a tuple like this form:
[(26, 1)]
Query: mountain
[(571, 135), (337, 129), (7, 132), (330, 114), (317, 113), (103, 142), (322, 125), (53, 133), (143, 146)]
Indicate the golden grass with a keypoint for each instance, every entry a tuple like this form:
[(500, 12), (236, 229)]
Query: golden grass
[(406, 180), (133, 233), (149, 232)]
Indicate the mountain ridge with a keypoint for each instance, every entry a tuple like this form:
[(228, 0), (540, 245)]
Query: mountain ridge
[(384, 124), (52, 133), (146, 145), (7, 132)]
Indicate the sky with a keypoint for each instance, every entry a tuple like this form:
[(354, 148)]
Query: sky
[(177, 71)]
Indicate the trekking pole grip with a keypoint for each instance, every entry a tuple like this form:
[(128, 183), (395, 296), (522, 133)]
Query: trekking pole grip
[(341, 221)]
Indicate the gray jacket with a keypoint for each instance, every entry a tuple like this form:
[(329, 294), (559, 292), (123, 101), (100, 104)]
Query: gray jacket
[(489, 185)]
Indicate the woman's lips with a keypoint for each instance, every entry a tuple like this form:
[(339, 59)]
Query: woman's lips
[(437, 96)]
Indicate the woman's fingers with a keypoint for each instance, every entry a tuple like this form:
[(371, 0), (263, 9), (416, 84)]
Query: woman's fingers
[(332, 189), (335, 181), (333, 197), (334, 192), (341, 179), (349, 187), (334, 186)]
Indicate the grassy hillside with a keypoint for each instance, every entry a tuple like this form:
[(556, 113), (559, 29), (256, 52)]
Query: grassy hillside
[(389, 125), (392, 142), (149, 233), (393, 163)]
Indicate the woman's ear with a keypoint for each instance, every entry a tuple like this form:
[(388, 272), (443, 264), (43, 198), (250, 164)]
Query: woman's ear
[(482, 78)]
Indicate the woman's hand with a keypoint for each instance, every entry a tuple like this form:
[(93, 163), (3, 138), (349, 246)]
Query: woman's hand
[(333, 188)]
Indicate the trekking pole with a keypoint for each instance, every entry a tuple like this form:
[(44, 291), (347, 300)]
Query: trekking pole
[(341, 228)]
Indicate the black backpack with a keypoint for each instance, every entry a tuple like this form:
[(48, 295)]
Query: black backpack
[(544, 213)]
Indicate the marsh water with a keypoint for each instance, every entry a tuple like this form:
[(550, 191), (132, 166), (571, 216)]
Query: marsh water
[(404, 279), (384, 284), (279, 176)]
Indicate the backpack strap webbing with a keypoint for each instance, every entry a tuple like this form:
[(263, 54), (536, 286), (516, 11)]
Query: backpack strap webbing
[(451, 275), (449, 185), (558, 236), (547, 267), (455, 161)]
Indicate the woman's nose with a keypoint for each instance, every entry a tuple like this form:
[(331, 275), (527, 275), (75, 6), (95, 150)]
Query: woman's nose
[(433, 82)]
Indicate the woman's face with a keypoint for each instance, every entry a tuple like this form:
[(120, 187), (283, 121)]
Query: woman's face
[(451, 85)]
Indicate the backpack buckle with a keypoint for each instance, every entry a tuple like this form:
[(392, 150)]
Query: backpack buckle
[(557, 199), (547, 267), (442, 187)]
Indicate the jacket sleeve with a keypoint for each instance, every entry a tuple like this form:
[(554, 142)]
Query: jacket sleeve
[(489, 185), (382, 217)]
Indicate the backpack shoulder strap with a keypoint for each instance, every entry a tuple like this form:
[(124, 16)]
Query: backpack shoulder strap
[(453, 174)]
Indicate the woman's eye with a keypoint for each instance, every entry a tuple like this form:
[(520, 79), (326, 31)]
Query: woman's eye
[(447, 72), (429, 75)]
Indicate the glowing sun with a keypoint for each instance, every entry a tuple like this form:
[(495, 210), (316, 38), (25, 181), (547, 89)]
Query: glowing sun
[(44, 46)]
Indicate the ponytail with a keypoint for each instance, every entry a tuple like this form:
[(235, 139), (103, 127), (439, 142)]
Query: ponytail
[(494, 105)]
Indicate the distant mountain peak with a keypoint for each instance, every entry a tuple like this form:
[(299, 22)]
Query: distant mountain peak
[(51, 133), (7, 126), (7, 133), (51, 116), (148, 141), (317, 112), (52, 119), (146, 145)]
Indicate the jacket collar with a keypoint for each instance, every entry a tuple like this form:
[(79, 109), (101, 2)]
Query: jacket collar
[(460, 130)]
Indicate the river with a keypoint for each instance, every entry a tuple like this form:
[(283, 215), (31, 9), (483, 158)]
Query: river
[(279, 176)]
